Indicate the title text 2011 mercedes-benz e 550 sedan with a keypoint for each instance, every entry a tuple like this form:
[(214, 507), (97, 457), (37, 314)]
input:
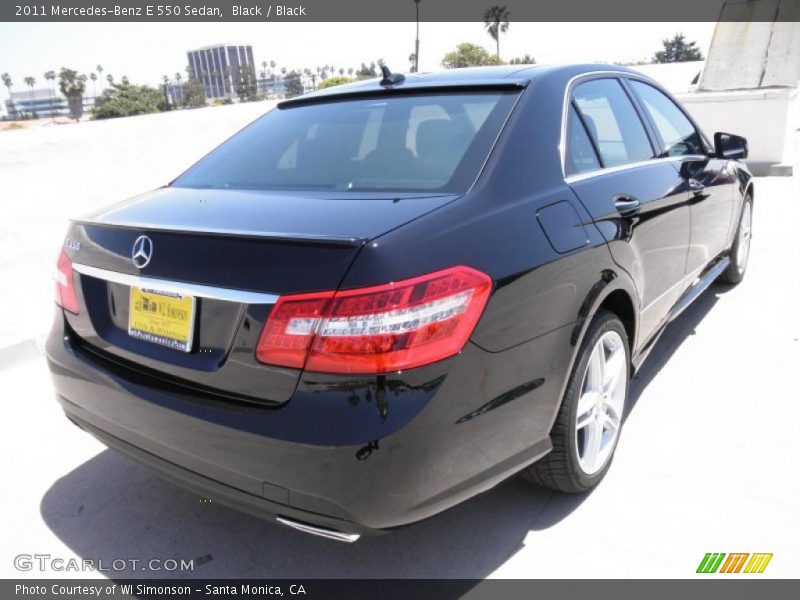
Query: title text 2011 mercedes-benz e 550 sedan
[(382, 299)]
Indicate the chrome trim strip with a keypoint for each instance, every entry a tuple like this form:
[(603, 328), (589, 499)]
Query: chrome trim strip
[(700, 286), (176, 287), (331, 534), (634, 165)]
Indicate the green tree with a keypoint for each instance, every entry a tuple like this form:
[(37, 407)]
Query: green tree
[(469, 55), (678, 50), (495, 19), (126, 99), (294, 84), (72, 87), (30, 82), (194, 94), (99, 69), (50, 77), (523, 60), (332, 81), (367, 72), (93, 77), (247, 85), (9, 84)]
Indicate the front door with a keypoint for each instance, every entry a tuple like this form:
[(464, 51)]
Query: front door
[(710, 180)]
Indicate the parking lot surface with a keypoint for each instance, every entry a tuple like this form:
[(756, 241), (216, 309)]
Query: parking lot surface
[(707, 460)]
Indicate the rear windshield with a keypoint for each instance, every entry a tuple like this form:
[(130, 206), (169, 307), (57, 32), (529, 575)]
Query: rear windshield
[(404, 143)]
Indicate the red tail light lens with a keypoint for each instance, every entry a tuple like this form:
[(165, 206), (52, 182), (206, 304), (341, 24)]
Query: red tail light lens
[(65, 284), (378, 329)]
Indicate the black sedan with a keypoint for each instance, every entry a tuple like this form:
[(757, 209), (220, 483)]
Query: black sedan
[(379, 300)]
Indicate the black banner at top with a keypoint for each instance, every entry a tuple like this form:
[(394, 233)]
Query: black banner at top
[(254, 11)]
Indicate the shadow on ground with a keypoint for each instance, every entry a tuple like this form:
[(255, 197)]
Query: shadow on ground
[(110, 508)]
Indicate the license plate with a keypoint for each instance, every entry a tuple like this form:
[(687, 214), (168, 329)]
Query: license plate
[(162, 318)]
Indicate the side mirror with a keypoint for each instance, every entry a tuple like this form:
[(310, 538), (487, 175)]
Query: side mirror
[(727, 145)]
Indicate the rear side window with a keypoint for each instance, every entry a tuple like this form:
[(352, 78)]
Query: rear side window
[(430, 142), (612, 122), (581, 156), (678, 135)]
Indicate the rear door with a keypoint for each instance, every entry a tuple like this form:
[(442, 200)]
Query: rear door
[(639, 202), (710, 182)]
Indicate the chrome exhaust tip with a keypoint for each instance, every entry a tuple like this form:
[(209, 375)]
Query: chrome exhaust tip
[(331, 534)]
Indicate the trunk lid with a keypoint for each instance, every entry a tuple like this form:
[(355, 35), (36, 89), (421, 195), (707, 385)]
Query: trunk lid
[(232, 251)]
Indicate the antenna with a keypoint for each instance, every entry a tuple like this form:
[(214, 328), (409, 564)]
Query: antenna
[(390, 78)]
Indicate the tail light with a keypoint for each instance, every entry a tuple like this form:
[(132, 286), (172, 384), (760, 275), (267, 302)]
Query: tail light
[(65, 284), (378, 329)]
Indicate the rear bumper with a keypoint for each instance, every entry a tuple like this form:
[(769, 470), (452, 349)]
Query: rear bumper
[(205, 487), (352, 455)]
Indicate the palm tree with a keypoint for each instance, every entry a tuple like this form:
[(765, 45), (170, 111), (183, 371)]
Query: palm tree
[(93, 77), (110, 79), (50, 76), (99, 69), (7, 82), (72, 87), (30, 82), (264, 66), (495, 19), (350, 71), (272, 64)]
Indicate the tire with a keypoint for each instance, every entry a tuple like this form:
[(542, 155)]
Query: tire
[(740, 249), (569, 466)]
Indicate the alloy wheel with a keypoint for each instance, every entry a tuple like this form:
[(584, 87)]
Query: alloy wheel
[(745, 232), (601, 402)]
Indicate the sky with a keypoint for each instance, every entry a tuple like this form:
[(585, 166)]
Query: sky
[(145, 52)]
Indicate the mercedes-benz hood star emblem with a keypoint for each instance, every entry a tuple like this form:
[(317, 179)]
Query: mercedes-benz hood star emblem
[(142, 251)]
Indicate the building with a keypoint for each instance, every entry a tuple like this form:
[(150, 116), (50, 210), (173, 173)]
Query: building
[(272, 87), (174, 92), (41, 102), (749, 84), (219, 67)]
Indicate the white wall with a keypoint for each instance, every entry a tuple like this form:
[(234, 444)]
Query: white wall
[(769, 119)]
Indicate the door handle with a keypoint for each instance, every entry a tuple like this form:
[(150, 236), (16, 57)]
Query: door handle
[(627, 206)]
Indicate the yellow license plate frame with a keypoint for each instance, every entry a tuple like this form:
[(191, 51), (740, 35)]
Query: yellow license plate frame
[(162, 318)]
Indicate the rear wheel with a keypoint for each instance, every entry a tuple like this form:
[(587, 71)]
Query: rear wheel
[(587, 427), (740, 251)]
